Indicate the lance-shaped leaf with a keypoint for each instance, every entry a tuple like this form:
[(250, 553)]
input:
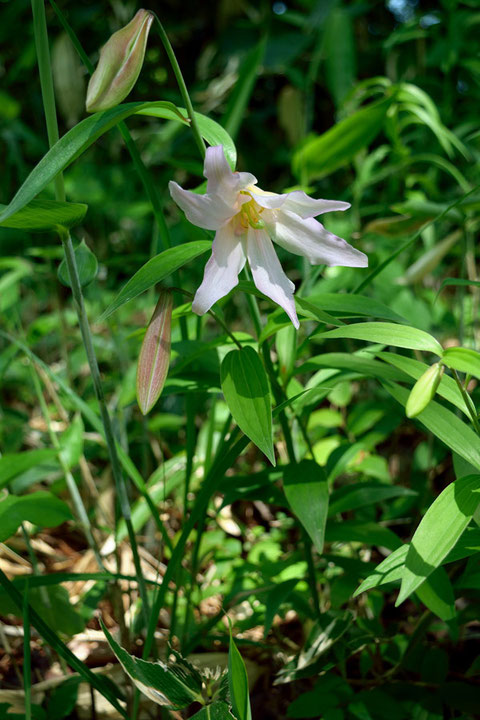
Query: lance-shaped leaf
[(45, 215), (306, 489), (175, 685), (247, 394), (121, 60), (154, 357), (439, 530), (156, 270), (238, 683)]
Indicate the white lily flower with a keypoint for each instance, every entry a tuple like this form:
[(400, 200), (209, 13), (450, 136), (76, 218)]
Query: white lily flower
[(246, 220)]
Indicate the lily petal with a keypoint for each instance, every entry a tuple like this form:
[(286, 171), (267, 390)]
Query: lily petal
[(310, 239), (207, 211), (297, 202), (268, 274), (222, 182), (221, 271)]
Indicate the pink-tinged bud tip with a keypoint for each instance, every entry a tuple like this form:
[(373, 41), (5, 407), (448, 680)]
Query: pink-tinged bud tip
[(119, 65)]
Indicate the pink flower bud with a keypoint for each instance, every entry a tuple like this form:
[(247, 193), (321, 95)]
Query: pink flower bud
[(121, 60), (154, 356)]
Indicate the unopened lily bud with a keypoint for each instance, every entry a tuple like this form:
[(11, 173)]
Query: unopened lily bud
[(154, 356), (424, 390), (121, 60)]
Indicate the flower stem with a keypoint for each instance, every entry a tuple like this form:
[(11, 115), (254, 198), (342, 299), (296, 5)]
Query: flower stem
[(44, 65), (182, 87), (468, 402)]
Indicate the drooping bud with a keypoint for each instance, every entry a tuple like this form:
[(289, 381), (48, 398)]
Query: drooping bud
[(424, 390), (154, 356), (121, 60)]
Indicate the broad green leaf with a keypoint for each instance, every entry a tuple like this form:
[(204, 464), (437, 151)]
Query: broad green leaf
[(392, 568), (347, 361), (86, 132), (41, 508), (351, 497), (175, 685), (352, 305), (87, 266), (456, 435), (387, 334), (238, 683), (437, 594), (247, 394), (53, 605), (63, 699), (320, 156), (275, 598), (156, 270), (447, 388), (217, 710), (389, 570), (44, 215), (463, 359), (369, 533), (15, 464), (306, 490), (439, 530)]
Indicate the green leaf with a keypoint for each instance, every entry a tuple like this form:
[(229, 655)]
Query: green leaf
[(353, 305), (86, 132), (87, 266), (156, 270), (369, 533), (247, 394), (275, 598), (63, 699), (456, 435), (348, 361), (437, 594), (218, 710), (351, 497), (53, 605), (306, 490), (389, 570), (438, 532), (238, 683), (15, 464), (388, 334), (45, 215), (463, 359), (320, 156), (41, 508), (175, 685)]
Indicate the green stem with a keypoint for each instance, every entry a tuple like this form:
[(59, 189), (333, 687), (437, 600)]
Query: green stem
[(27, 664), (44, 65), (145, 177), (468, 402), (210, 484), (46, 82), (182, 87), (71, 484)]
